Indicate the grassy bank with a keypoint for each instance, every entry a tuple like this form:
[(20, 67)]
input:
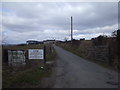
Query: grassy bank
[(27, 77), (82, 52)]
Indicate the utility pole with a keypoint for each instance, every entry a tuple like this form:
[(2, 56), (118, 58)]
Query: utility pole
[(71, 29)]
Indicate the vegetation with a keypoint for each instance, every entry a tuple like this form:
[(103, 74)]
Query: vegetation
[(28, 77), (83, 48)]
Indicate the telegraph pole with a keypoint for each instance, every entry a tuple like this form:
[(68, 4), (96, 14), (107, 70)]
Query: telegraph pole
[(71, 29)]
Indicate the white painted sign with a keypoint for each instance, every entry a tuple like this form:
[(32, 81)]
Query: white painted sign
[(35, 54)]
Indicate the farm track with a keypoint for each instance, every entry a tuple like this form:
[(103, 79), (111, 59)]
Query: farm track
[(75, 72)]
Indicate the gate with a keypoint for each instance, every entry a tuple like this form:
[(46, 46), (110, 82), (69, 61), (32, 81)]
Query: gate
[(16, 57)]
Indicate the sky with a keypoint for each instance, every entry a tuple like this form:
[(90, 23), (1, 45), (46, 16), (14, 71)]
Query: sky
[(22, 21)]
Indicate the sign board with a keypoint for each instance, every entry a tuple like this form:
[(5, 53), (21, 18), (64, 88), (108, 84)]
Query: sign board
[(35, 54)]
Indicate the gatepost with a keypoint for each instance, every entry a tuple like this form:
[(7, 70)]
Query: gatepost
[(44, 54)]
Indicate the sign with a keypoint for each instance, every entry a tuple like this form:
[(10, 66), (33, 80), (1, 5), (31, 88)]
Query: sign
[(35, 54)]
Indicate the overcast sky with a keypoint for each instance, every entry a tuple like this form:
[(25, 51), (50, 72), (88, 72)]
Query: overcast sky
[(50, 20)]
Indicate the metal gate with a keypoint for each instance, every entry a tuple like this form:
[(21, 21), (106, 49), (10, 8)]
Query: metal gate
[(16, 57)]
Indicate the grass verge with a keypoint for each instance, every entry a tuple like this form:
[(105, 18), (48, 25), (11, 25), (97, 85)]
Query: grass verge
[(27, 78)]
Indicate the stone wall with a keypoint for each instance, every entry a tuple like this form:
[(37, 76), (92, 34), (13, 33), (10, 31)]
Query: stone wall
[(99, 53)]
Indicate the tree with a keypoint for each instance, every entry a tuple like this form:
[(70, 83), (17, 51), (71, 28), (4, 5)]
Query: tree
[(114, 33), (66, 39), (100, 40)]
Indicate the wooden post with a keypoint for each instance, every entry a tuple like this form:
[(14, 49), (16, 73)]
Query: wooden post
[(5, 56), (27, 59), (44, 54)]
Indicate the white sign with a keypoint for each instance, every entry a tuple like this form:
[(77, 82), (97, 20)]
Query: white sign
[(35, 54)]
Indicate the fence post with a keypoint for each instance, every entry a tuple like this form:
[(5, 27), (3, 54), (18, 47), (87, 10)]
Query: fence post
[(27, 61), (44, 54), (5, 56)]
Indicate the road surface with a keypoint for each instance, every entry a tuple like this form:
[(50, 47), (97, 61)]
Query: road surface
[(75, 72)]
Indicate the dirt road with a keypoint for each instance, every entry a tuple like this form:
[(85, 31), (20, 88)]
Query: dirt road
[(75, 72)]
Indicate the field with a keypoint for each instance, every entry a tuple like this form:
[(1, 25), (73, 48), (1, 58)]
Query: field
[(28, 76), (14, 47)]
